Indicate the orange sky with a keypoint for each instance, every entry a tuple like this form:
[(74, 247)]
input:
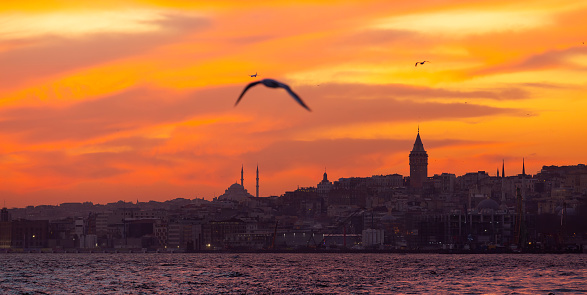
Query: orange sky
[(127, 100)]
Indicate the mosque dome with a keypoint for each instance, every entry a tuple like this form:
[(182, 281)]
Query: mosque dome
[(235, 187), (235, 192)]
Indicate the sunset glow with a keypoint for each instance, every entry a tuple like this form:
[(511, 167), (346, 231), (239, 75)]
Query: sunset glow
[(135, 100)]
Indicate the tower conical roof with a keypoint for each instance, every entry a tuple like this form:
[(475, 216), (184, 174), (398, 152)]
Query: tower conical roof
[(418, 146)]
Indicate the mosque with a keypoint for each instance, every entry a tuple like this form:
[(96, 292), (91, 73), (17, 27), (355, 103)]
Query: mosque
[(237, 192)]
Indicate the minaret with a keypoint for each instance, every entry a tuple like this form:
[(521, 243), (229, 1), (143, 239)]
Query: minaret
[(497, 172), (257, 194), (502, 168), (242, 177), (418, 163), (523, 186), (503, 200)]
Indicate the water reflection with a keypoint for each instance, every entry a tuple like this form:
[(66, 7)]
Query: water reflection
[(291, 273)]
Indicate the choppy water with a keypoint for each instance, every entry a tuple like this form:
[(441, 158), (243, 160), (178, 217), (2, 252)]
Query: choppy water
[(292, 274)]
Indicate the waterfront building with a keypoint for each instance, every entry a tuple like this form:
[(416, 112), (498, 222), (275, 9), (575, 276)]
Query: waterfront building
[(248, 241), (372, 238), (482, 227), (217, 232), (5, 229), (29, 234)]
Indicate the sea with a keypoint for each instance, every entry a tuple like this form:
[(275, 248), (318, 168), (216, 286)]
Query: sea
[(292, 273)]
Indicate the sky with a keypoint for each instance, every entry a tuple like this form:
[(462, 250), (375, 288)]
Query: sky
[(134, 100)]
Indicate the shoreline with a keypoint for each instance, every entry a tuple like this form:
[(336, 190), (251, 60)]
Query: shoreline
[(278, 251)]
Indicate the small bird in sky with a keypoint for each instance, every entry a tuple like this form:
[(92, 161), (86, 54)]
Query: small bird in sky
[(273, 84), (420, 62), (255, 75)]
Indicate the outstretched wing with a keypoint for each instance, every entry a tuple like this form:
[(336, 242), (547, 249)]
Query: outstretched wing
[(245, 90), (294, 95), (416, 64)]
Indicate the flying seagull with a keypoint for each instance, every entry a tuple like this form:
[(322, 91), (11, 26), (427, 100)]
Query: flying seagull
[(273, 84), (420, 62), (255, 75)]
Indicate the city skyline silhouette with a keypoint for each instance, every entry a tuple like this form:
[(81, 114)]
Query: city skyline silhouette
[(105, 102)]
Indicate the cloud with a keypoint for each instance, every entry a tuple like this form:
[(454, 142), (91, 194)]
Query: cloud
[(49, 54), (466, 22), (266, 112), (252, 39), (133, 109), (369, 91), (338, 153), (62, 168), (84, 23), (377, 37), (553, 59), (341, 110), (547, 85)]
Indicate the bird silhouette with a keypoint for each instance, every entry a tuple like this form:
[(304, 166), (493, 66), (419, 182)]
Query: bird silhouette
[(273, 84), (420, 62), (255, 75)]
